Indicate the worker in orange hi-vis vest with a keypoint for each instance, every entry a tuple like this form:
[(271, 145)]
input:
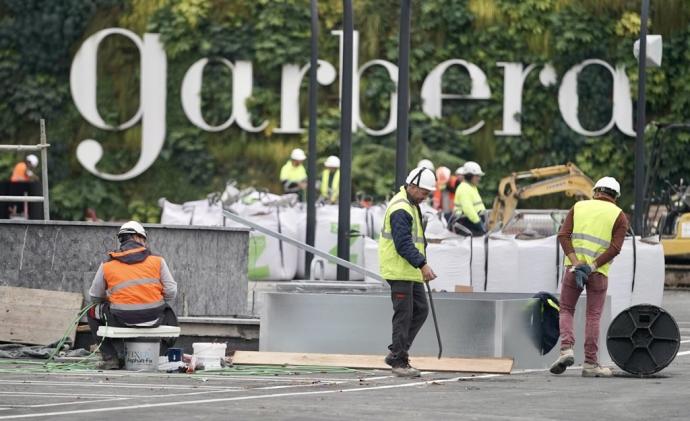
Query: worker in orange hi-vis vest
[(134, 288), (22, 171)]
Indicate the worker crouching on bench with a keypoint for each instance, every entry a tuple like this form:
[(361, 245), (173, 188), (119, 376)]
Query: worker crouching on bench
[(591, 236), (402, 257), (132, 289)]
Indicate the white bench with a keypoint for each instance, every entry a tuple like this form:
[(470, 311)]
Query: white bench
[(139, 332), (142, 344)]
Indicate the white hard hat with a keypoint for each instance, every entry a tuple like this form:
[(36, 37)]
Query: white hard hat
[(298, 155), (472, 168), (332, 162), (425, 163), (460, 170), (33, 160), (132, 227), (422, 177), (608, 183)]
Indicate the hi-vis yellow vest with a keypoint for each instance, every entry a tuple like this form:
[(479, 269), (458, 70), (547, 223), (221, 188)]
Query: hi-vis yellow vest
[(593, 222), (393, 266), (468, 202), (293, 174), (330, 192)]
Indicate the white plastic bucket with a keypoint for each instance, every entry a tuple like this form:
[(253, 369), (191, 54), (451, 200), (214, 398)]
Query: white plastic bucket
[(209, 354), (142, 356)]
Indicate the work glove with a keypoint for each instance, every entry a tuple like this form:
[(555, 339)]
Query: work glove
[(581, 274)]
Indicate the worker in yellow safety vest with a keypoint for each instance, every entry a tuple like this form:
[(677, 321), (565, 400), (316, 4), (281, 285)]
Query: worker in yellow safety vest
[(469, 207), (22, 171), (402, 258), (330, 180), (591, 236), (293, 176), (134, 288)]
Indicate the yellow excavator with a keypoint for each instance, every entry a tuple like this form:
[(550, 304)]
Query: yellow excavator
[(568, 179)]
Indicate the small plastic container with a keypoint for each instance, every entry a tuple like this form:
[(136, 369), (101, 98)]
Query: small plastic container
[(209, 354)]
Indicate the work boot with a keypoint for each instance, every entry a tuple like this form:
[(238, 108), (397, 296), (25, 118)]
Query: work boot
[(108, 363), (390, 359), (566, 359), (595, 370), (406, 370)]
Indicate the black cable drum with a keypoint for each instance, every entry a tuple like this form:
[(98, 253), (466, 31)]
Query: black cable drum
[(643, 339)]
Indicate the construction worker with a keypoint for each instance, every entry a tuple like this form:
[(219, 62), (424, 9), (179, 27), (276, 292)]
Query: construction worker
[(293, 176), (22, 171), (469, 208), (402, 257), (133, 289), (330, 179), (591, 236), (444, 193)]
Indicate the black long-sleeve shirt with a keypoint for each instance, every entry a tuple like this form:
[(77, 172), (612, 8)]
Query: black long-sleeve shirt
[(401, 229)]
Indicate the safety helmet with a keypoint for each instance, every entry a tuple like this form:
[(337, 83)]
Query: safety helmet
[(132, 227), (425, 163), (608, 185), (472, 168), (442, 175), (422, 177), (33, 160), (460, 170), (297, 154), (332, 162)]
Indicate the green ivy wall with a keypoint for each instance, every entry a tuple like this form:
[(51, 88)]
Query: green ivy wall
[(38, 39)]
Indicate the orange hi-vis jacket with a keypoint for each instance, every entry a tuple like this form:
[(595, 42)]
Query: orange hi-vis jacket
[(134, 286), (19, 173)]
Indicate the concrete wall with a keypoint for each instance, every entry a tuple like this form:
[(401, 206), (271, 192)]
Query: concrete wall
[(208, 263)]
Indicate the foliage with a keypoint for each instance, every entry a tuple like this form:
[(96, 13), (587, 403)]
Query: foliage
[(38, 39)]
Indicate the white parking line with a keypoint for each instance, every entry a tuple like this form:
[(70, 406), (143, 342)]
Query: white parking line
[(253, 397), (683, 353)]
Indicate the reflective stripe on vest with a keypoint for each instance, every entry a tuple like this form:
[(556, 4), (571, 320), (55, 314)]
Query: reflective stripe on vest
[(593, 222), (135, 286), (393, 266)]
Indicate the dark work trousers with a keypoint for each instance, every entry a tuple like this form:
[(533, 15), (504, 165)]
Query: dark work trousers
[(115, 347), (477, 229), (410, 309)]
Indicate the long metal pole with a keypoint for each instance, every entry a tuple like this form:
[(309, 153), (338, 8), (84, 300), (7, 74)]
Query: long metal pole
[(403, 95), (282, 237), (44, 172), (311, 163), (345, 144), (641, 122)]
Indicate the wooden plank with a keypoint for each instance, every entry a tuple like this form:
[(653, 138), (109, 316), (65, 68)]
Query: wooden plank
[(455, 364), (36, 316), (463, 288)]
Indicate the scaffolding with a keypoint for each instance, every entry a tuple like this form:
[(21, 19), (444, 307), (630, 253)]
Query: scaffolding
[(42, 147)]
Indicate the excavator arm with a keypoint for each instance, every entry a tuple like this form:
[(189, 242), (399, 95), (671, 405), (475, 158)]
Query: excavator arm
[(566, 179)]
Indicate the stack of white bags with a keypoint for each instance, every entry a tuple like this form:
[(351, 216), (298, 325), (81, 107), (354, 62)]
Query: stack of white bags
[(501, 263)]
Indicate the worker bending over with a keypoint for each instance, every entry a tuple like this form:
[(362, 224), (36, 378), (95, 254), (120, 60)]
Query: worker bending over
[(469, 208), (591, 236), (22, 171), (330, 180), (293, 176), (132, 289), (402, 257)]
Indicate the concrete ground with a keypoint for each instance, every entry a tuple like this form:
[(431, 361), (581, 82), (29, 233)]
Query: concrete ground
[(357, 395)]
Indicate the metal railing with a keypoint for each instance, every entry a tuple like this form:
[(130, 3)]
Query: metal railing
[(333, 259), (43, 148)]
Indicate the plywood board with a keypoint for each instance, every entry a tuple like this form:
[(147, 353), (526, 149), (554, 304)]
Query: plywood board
[(36, 316), (454, 364)]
